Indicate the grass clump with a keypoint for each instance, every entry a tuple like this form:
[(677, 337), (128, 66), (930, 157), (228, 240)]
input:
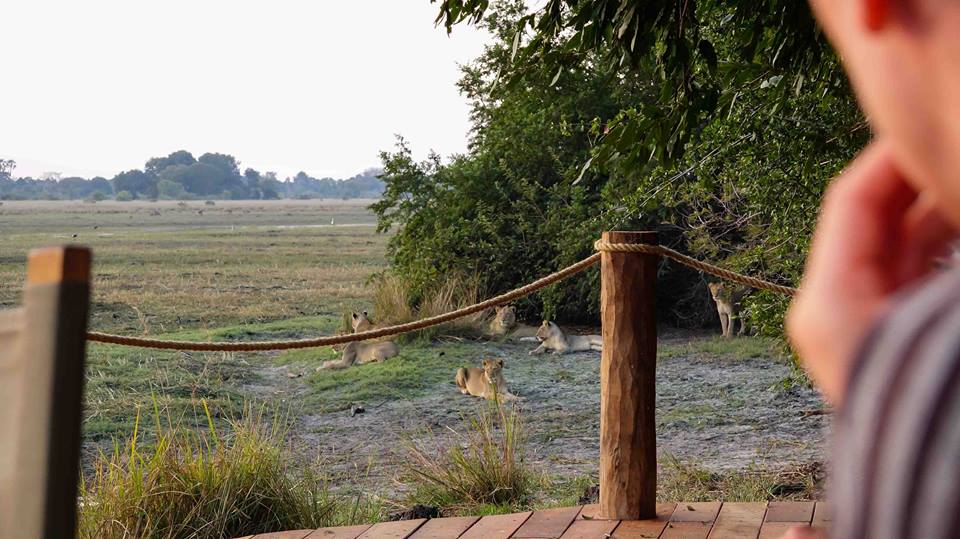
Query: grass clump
[(689, 482), (394, 303), (200, 484), (484, 470)]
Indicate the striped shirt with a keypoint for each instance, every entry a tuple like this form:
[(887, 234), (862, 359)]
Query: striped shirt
[(896, 441)]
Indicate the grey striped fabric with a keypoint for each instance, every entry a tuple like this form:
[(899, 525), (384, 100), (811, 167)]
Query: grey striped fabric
[(896, 442)]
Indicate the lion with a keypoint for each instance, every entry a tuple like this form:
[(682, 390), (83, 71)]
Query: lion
[(551, 337), (361, 322), (358, 353), (488, 382), (728, 307), (504, 324)]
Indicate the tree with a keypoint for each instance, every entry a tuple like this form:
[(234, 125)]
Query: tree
[(703, 132), (180, 157), (171, 190), (137, 183)]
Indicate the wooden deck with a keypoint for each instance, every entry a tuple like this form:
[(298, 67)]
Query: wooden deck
[(695, 520)]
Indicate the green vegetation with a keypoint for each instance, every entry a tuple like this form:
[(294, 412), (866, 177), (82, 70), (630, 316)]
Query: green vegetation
[(634, 114), (480, 471), (210, 484)]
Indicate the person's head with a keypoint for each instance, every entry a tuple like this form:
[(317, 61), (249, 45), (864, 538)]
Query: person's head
[(903, 58)]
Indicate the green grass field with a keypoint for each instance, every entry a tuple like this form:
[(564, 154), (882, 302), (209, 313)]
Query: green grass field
[(234, 270)]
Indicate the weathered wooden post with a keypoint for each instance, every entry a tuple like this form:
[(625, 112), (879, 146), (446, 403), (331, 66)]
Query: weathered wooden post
[(628, 446), (41, 386)]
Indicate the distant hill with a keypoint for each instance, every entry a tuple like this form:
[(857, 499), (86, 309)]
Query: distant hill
[(180, 176)]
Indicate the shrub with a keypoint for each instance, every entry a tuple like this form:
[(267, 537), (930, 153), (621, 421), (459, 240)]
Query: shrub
[(485, 466), (201, 485), (124, 196)]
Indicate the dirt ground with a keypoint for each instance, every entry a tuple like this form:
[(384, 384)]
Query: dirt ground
[(718, 411)]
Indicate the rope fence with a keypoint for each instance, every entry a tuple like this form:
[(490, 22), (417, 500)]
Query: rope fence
[(523, 291)]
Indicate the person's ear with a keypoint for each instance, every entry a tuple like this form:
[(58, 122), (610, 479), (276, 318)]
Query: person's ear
[(876, 14)]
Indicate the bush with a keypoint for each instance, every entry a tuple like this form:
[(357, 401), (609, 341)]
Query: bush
[(201, 485), (123, 196), (485, 466)]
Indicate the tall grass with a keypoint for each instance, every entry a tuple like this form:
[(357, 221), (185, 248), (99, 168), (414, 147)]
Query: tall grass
[(203, 485), (395, 304), (483, 470)]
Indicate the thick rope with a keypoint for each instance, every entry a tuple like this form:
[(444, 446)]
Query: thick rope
[(717, 271), (255, 346), (523, 291)]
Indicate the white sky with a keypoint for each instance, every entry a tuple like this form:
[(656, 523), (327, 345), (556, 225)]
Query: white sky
[(99, 86)]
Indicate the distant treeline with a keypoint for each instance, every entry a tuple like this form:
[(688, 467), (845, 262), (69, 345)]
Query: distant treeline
[(180, 176)]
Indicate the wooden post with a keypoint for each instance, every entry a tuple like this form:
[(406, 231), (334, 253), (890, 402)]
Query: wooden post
[(41, 385), (628, 440)]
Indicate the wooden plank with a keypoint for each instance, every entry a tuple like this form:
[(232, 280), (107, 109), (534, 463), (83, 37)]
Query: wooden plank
[(346, 532), (589, 529), (650, 528), (41, 395), (291, 534), (691, 520), (547, 523), (686, 530), (444, 528), (399, 529), (789, 512), (738, 521), (628, 365), (775, 530), (821, 516), (496, 526), (695, 512)]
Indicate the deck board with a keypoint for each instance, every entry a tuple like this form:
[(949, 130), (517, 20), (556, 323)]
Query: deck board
[(292, 534), (684, 520), (646, 529), (496, 526), (400, 529), (738, 520), (347, 532), (821, 516), (547, 523), (789, 512), (444, 528)]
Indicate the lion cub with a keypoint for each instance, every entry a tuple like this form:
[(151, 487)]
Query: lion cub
[(504, 324), (728, 307), (551, 337), (358, 353), (487, 382)]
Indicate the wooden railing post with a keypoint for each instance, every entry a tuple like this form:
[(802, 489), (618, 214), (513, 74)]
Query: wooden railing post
[(628, 446), (41, 385)]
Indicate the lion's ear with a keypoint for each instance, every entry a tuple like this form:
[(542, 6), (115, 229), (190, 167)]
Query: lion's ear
[(498, 308), (365, 313), (355, 316), (485, 362), (500, 362)]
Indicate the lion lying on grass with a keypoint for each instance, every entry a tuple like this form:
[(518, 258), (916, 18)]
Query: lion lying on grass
[(552, 338), (486, 383)]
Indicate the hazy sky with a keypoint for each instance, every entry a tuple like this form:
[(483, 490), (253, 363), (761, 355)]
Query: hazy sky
[(96, 87)]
